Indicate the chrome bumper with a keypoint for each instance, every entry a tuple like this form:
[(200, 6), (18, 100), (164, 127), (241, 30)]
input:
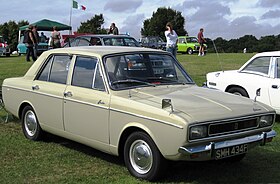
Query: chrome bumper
[(208, 151)]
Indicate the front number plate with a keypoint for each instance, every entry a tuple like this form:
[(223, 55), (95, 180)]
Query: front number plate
[(231, 151)]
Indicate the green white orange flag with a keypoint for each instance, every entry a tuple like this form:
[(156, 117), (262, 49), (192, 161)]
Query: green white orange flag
[(77, 6)]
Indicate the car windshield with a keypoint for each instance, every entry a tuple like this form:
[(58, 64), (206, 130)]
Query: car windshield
[(144, 69)]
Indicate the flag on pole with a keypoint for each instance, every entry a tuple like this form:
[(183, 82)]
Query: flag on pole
[(77, 6)]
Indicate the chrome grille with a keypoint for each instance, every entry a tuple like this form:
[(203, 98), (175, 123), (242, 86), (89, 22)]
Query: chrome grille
[(233, 126)]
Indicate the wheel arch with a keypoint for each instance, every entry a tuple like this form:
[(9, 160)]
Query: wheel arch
[(236, 86), (22, 106), (127, 132)]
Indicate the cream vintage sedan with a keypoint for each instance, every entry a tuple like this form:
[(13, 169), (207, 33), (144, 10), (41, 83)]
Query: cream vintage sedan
[(136, 103), (261, 72)]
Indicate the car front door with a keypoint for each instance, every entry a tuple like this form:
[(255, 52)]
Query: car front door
[(48, 89), (86, 104), (182, 45), (274, 87)]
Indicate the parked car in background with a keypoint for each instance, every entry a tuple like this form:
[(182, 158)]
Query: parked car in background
[(154, 42), (189, 45), (4, 47), (105, 40), (137, 103), (262, 72), (42, 46)]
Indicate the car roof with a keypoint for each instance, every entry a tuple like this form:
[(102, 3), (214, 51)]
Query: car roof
[(272, 53), (105, 36), (101, 50)]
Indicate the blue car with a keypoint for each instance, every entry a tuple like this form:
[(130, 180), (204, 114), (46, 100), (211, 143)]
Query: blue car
[(42, 46)]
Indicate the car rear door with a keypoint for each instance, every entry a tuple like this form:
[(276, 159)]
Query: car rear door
[(48, 89), (86, 104)]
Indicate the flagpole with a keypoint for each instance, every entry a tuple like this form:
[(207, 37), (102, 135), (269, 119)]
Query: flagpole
[(70, 31)]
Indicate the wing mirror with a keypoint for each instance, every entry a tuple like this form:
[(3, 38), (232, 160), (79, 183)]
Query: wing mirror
[(166, 103), (258, 93)]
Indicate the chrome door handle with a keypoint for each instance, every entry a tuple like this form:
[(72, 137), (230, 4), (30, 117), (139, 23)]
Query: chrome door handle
[(101, 102), (67, 94), (275, 86), (36, 87)]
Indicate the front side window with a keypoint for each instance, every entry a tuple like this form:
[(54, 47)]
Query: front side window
[(144, 69), (86, 73), (56, 69), (259, 65), (181, 40)]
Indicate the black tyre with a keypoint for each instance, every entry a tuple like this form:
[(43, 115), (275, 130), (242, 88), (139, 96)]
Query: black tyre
[(190, 51), (30, 125), (238, 91), (142, 157), (8, 54)]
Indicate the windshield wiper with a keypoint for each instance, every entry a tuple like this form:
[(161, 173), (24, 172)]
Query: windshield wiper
[(132, 81)]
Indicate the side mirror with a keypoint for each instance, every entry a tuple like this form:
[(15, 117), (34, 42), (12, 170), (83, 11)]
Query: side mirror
[(166, 103), (258, 93)]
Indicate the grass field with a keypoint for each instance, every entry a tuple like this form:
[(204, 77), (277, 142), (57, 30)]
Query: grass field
[(57, 160)]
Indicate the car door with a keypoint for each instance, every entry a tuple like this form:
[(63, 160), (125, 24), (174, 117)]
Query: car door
[(274, 85), (48, 89), (86, 104), (182, 45)]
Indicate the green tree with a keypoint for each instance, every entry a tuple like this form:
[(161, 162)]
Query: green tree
[(9, 30), (155, 26), (93, 25)]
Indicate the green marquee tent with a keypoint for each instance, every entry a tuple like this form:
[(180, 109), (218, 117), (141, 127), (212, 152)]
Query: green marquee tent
[(47, 25)]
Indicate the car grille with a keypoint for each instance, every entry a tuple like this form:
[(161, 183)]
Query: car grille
[(234, 126)]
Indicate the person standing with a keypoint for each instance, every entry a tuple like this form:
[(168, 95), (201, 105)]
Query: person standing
[(171, 39), (201, 41), (113, 29), (29, 42), (36, 39), (55, 42)]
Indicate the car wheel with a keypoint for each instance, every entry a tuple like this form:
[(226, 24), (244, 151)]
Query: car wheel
[(8, 55), (142, 157), (30, 125), (190, 51), (238, 91)]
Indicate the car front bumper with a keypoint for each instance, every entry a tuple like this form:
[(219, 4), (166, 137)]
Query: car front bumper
[(207, 152)]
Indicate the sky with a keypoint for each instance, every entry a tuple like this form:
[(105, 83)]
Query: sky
[(229, 19)]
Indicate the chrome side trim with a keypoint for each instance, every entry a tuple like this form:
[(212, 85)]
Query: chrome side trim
[(148, 118), (259, 138)]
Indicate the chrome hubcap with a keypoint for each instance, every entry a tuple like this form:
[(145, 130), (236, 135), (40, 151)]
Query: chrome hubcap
[(30, 123), (237, 93), (141, 156)]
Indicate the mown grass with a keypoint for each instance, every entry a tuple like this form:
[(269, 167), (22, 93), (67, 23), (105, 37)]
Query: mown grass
[(58, 160)]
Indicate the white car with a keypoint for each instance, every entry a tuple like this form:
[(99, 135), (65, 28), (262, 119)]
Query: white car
[(261, 72)]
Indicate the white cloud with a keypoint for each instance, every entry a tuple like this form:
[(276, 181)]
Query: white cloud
[(220, 18)]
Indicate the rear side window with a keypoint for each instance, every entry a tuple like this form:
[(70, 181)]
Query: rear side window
[(56, 69)]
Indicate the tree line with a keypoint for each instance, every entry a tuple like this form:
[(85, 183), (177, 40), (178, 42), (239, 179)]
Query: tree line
[(155, 26), (250, 42)]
